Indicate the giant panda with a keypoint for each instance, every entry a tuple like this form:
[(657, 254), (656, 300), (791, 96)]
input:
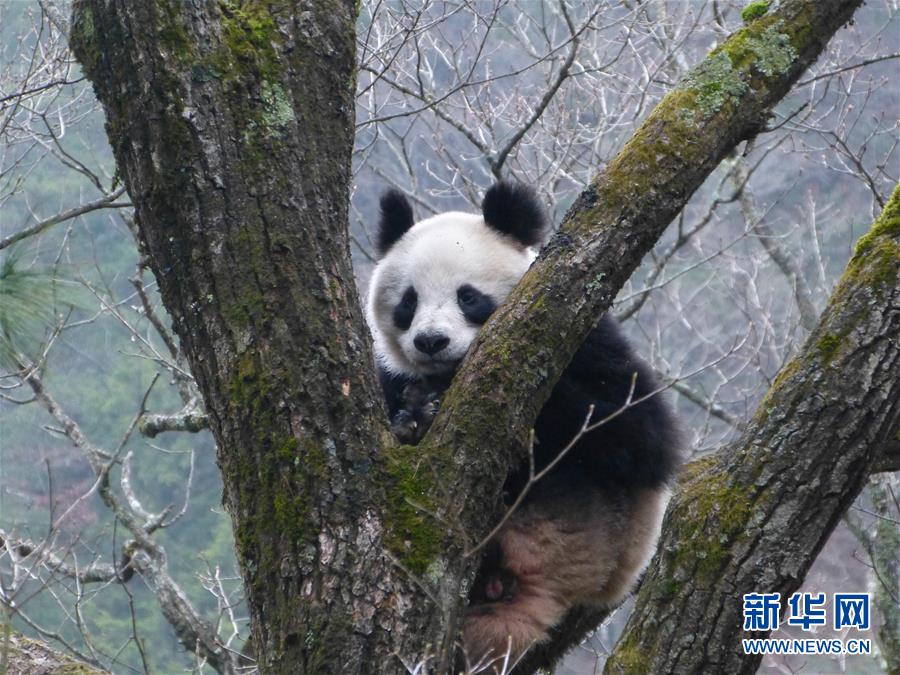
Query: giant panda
[(585, 532)]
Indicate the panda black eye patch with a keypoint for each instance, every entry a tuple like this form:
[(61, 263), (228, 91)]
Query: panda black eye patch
[(475, 305), (406, 309)]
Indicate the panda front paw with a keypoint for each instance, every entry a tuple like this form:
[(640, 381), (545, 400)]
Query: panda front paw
[(429, 409), (405, 427), (412, 423), (421, 404)]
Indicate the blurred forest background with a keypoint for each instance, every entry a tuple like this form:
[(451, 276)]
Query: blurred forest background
[(451, 95)]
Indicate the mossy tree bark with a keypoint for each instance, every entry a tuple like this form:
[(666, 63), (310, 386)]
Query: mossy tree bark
[(231, 123), (752, 518), (24, 656), (232, 127)]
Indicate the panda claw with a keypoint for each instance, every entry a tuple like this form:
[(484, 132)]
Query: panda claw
[(405, 427)]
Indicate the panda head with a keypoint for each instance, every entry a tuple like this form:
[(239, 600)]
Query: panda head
[(437, 281)]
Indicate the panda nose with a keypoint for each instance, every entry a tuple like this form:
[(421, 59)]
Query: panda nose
[(430, 343)]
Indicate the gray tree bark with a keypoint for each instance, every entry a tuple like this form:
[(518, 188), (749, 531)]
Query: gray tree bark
[(23, 656), (232, 129)]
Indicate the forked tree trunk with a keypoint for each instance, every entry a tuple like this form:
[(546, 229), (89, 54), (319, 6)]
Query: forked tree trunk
[(231, 123)]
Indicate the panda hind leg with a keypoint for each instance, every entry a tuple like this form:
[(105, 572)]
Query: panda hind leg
[(585, 548), (645, 516), (552, 554), (514, 605)]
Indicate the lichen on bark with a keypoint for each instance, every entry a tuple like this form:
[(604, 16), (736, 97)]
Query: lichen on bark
[(715, 82)]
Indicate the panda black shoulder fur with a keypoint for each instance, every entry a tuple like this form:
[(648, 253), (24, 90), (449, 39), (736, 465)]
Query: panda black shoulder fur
[(585, 532)]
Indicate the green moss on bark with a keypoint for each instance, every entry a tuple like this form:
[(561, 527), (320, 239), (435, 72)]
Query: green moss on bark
[(173, 35), (83, 38), (248, 390), (887, 225), (876, 258), (754, 10), (667, 137), (413, 533), (709, 502), (885, 259), (247, 61), (630, 658), (827, 346), (249, 36), (269, 463)]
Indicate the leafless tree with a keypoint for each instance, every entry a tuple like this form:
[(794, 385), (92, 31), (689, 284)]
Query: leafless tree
[(450, 96)]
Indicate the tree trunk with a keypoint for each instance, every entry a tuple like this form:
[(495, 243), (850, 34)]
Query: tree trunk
[(231, 124), (753, 518)]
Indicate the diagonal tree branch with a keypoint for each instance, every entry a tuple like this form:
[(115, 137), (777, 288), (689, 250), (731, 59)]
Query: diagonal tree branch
[(724, 100), (721, 102), (753, 518)]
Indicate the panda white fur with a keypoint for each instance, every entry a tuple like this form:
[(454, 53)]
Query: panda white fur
[(585, 532)]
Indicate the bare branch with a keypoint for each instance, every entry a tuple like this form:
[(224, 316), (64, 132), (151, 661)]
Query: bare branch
[(107, 202)]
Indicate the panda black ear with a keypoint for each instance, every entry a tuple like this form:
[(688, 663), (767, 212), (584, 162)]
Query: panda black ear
[(513, 209), (396, 219)]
